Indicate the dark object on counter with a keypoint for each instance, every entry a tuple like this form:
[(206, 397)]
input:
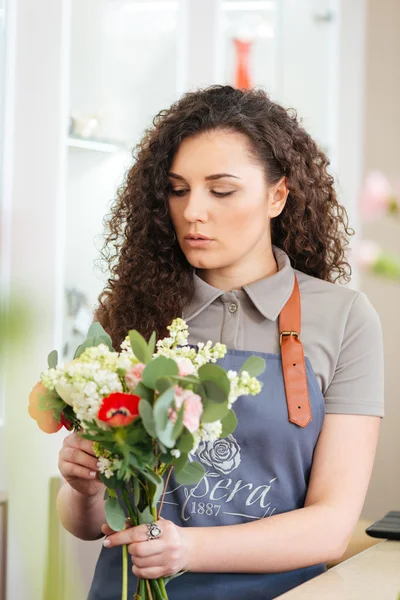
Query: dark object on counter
[(387, 528)]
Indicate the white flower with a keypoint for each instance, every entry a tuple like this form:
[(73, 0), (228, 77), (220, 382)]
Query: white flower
[(175, 452)]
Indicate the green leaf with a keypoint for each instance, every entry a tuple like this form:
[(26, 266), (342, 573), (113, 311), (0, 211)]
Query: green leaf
[(115, 514), (145, 516), (111, 483), (213, 412), (146, 413), (229, 424), (144, 392), (180, 462), (106, 495), (153, 477), (178, 427), (52, 359), (191, 474), (123, 467), (162, 384), (254, 365), (152, 343), (186, 442), (157, 368), (214, 392), (166, 435), (215, 373), (157, 493), (168, 579), (139, 347), (161, 408), (136, 491)]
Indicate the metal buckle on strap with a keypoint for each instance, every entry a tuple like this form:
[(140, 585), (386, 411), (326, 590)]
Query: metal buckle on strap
[(287, 333)]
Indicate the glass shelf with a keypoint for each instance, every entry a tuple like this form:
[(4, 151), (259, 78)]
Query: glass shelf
[(108, 146)]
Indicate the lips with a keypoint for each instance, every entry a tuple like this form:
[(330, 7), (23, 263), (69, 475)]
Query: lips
[(196, 236)]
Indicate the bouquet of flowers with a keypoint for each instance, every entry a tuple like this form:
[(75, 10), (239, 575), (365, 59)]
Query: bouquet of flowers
[(146, 408)]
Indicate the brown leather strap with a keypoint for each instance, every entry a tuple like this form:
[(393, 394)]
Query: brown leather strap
[(293, 362)]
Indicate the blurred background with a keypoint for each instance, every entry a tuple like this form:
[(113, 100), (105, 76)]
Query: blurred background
[(80, 80)]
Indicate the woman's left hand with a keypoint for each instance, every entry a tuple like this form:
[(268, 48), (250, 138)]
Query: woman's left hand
[(160, 557)]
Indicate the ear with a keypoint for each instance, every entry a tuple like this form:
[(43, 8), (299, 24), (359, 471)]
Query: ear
[(278, 194)]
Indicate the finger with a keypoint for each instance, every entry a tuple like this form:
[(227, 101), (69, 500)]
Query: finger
[(150, 573), (127, 536), (144, 549), (69, 470), (74, 455), (145, 563), (76, 441)]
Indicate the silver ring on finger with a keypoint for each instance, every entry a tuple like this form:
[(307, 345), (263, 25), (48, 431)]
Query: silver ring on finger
[(154, 531)]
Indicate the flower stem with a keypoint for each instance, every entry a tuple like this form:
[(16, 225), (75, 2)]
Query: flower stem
[(124, 572), (165, 489)]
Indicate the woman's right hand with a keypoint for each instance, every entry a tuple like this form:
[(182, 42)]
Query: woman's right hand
[(78, 465)]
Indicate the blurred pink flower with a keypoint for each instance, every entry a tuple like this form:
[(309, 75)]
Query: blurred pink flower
[(367, 253), (134, 375), (193, 408), (375, 196)]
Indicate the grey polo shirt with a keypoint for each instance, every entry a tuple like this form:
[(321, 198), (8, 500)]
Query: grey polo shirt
[(340, 331)]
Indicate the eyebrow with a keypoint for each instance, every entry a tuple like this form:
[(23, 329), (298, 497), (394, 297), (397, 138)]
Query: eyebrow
[(208, 178)]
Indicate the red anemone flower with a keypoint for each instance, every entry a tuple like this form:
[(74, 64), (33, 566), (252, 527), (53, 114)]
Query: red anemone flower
[(119, 409)]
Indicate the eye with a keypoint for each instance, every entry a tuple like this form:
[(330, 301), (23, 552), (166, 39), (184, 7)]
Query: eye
[(222, 194), (174, 192)]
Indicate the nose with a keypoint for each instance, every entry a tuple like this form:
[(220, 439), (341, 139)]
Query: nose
[(196, 207)]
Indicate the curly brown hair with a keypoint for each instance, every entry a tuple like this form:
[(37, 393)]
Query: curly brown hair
[(150, 280)]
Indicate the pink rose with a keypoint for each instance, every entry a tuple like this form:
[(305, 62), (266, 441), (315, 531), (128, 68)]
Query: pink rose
[(186, 367), (376, 196), (134, 375), (193, 408)]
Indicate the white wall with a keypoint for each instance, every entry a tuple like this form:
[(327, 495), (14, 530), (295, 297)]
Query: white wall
[(382, 139), (35, 178)]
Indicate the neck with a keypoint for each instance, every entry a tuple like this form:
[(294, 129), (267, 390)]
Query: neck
[(236, 275)]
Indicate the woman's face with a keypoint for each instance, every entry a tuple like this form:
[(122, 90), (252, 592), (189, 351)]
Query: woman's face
[(219, 192)]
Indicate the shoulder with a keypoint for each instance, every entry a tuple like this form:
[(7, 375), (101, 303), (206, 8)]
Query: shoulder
[(334, 303)]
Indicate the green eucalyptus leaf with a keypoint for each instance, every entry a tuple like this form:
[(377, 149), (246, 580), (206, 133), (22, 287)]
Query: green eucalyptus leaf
[(214, 392), (229, 424), (52, 359), (145, 516), (144, 392), (146, 413), (152, 343), (152, 476), (161, 408), (217, 374), (166, 435), (162, 384), (214, 412), (139, 346), (157, 368), (186, 442), (178, 427), (111, 482), (190, 474), (180, 462), (254, 365), (115, 515)]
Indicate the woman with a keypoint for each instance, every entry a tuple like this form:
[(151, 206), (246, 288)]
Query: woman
[(229, 218)]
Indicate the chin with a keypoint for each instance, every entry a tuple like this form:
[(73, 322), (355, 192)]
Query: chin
[(204, 262)]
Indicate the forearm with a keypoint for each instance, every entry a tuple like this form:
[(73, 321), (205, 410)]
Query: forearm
[(283, 542), (81, 515)]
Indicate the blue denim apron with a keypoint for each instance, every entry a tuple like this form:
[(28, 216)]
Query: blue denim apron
[(262, 469)]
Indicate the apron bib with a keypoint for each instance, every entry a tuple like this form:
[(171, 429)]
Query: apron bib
[(262, 469)]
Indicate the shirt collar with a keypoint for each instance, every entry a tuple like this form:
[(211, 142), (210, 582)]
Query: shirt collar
[(269, 295)]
